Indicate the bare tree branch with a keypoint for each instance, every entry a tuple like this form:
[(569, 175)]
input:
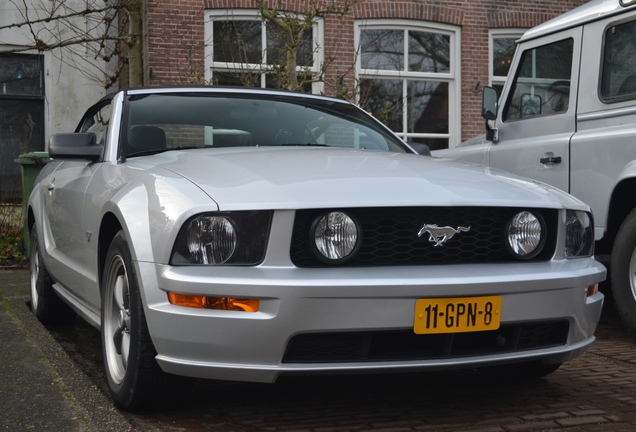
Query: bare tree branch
[(52, 15), (77, 31), (293, 29)]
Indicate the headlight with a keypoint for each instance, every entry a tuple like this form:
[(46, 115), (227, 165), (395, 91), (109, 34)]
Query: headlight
[(336, 237), (223, 238), (526, 235), (579, 236), (211, 239)]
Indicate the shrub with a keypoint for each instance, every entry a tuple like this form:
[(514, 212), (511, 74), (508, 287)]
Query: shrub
[(11, 237)]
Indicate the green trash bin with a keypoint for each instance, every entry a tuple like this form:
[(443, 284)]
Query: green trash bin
[(31, 164)]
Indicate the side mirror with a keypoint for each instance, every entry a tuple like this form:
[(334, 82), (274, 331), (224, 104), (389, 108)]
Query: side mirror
[(530, 105), (489, 108), (75, 146), (489, 103), (421, 148)]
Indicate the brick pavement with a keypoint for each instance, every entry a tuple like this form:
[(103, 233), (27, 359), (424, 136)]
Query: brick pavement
[(592, 393), (41, 388)]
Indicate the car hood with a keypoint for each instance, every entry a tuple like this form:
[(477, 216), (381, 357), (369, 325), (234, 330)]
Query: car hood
[(291, 178)]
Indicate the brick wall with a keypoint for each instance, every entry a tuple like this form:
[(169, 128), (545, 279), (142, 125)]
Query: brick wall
[(176, 30)]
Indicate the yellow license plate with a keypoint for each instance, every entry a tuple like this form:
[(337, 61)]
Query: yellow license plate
[(457, 315)]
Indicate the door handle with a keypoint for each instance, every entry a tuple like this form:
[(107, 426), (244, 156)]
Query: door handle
[(550, 159)]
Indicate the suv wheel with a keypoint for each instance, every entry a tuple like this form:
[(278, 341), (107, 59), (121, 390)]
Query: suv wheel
[(623, 272)]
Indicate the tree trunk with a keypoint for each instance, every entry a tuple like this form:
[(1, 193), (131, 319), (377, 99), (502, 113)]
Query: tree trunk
[(135, 46)]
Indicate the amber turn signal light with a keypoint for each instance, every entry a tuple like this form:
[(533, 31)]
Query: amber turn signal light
[(219, 303), (592, 289)]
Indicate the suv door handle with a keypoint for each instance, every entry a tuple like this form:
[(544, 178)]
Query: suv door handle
[(550, 159)]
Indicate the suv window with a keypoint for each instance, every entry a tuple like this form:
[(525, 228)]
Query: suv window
[(619, 63), (542, 85)]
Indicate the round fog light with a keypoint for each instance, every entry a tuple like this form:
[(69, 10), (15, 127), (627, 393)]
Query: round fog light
[(525, 235), (335, 237)]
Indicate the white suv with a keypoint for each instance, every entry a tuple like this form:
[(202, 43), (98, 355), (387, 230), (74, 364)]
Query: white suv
[(567, 117)]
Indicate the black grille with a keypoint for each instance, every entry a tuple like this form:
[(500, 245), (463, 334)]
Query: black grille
[(406, 345), (390, 235)]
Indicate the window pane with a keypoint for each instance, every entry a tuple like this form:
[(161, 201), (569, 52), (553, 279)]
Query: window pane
[(552, 61), (499, 88), (503, 49), (382, 49), (276, 47), (21, 131), (273, 82), (237, 41), (383, 99), (239, 79), (427, 107), (429, 52), (542, 86), (619, 61), (20, 75)]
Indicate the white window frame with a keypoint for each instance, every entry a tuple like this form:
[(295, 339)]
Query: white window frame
[(507, 33), (452, 77), (254, 15)]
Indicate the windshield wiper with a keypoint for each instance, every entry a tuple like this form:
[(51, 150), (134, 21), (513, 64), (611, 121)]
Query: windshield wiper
[(304, 145), (146, 152), (157, 151)]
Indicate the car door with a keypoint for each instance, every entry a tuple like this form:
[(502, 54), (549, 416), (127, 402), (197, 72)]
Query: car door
[(71, 263), (603, 149), (538, 117), (63, 205)]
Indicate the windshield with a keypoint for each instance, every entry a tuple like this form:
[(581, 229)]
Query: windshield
[(166, 121)]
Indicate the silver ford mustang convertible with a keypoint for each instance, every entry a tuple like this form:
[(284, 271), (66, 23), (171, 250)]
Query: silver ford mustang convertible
[(243, 234)]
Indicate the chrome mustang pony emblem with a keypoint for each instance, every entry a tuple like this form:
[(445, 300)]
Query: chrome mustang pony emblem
[(440, 235)]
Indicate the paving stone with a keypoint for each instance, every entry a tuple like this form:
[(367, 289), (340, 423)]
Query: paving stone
[(596, 392), (572, 421)]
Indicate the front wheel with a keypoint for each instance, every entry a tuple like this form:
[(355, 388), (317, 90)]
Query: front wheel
[(131, 371), (623, 273)]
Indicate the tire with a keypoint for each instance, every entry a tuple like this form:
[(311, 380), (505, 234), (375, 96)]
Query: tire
[(132, 374), (517, 372), (623, 273), (45, 304)]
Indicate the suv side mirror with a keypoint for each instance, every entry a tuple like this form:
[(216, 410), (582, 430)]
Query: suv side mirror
[(489, 102), (489, 107)]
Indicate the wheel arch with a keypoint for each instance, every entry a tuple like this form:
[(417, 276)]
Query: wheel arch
[(30, 219), (622, 202), (109, 227), (30, 223)]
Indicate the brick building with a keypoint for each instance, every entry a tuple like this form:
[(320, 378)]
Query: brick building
[(418, 65)]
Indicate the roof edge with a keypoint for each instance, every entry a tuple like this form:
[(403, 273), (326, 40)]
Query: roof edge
[(591, 11)]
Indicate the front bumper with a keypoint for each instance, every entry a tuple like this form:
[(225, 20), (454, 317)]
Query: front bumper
[(359, 303)]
